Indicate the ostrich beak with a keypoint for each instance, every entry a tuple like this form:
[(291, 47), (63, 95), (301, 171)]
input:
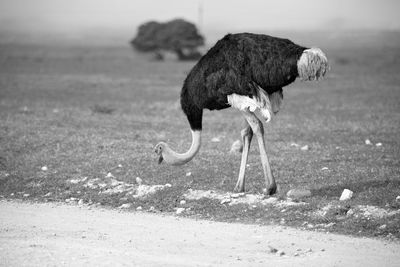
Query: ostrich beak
[(160, 159)]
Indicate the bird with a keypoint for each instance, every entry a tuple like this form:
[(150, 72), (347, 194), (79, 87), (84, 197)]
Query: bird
[(245, 71)]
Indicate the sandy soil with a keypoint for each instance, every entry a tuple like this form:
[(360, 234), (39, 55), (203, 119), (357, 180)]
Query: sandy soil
[(56, 235)]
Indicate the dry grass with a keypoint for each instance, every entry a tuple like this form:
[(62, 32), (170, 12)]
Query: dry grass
[(47, 118)]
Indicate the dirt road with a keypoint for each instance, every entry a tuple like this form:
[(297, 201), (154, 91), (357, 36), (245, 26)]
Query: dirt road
[(57, 235)]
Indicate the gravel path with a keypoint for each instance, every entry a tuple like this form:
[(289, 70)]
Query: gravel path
[(57, 235)]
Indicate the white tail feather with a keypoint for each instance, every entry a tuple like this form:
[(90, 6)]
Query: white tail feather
[(312, 65)]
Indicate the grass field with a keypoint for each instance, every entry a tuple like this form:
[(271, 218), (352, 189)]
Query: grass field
[(82, 111)]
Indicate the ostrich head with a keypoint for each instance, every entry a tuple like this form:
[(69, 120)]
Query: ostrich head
[(171, 157), (159, 148)]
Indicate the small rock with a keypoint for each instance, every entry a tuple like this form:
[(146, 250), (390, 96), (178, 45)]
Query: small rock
[(44, 168), (139, 180), (235, 195), (139, 208), (168, 185), (182, 202), (346, 195), (152, 209), (272, 249), (125, 206), (298, 193), (80, 202), (398, 198), (119, 165), (180, 210), (215, 139), (350, 212), (304, 148), (309, 250), (368, 142), (48, 194), (236, 147), (109, 175), (382, 227), (378, 144), (322, 249), (225, 200), (280, 253), (26, 195), (294, 145), (188, 174), (296, 254), (324, 169)]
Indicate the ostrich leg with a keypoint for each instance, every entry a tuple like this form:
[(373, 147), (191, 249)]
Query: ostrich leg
[(258, 130), (247, 135)]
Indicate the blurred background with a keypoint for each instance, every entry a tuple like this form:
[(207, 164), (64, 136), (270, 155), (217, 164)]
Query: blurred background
[(105, 21)]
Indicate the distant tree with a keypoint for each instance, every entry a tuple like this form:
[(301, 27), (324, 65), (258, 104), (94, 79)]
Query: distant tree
[(178, 35)]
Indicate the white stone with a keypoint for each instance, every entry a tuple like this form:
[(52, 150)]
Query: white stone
[(305, 148), (180, 210), (368, 142), (225, 200), (294, 145), (139, 208), (236, 147), (168, 185), (44, 168), (80, 202), (125, 206), (324, 169), (378, 144), (119, 165), (182, 202), (346, 195), (398, 198), (139, 180), (215, 139), (188, 174)]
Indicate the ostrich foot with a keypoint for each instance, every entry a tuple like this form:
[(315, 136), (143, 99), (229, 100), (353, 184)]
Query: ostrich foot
[(271, 190)]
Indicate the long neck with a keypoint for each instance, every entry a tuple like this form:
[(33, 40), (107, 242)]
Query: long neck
[(174, 158)]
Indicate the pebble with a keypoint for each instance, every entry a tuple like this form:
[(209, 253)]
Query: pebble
[(398, 198), (80, 202), (188, 174), (382, 227), (182, 202), (324, 169), (236, 147), (139, 208), (26, 195), (235, 195), (139, 180), (225, 200), (298, 193), (368, 142), (309, 250), (44, 168), (294, 145), (378, 144), (109, 175), (305, 148), (168, 185), (125, 206), (346, 195), (215, 139), (119, 165), (280, 253), (272, 249), (296, 254), (180, 210)]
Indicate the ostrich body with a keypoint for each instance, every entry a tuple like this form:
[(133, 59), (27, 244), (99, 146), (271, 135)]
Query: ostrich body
[(245, 71)]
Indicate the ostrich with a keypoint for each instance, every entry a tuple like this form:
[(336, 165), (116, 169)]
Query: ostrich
[(245, 71)]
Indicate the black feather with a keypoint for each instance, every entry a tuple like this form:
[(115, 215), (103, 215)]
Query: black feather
[(238, 64)]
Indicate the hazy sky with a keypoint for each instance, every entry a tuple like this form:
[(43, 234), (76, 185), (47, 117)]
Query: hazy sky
[(120, 15)]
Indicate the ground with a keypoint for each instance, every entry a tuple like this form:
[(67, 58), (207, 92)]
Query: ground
[(58, 235), (78, 123)]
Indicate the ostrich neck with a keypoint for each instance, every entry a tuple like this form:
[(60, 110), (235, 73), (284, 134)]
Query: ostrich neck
[(175, 158)]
